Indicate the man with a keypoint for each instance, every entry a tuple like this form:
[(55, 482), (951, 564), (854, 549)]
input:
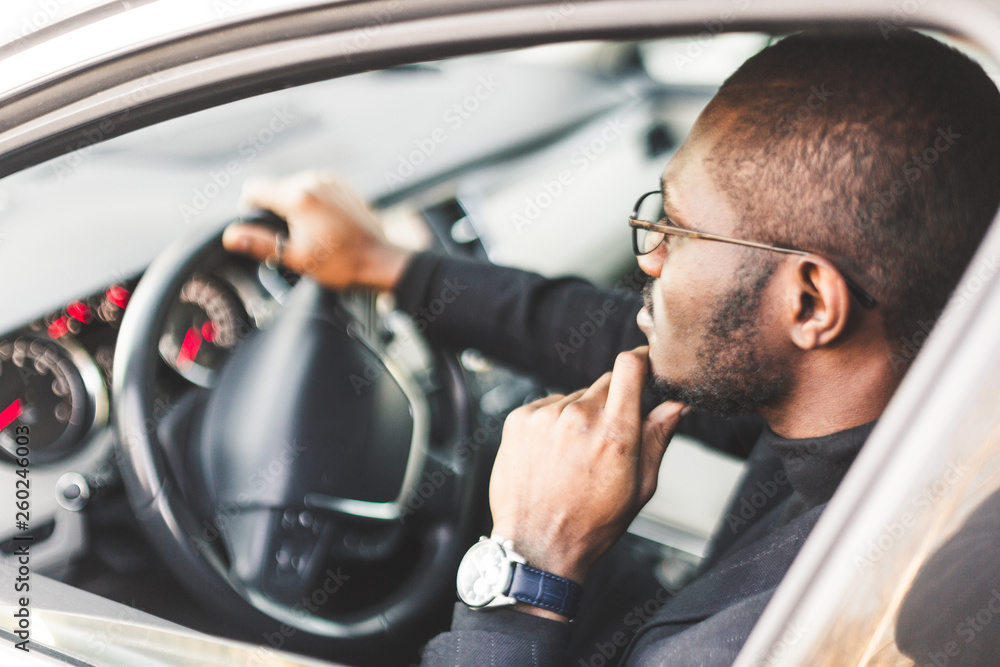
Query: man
[(839, 185)]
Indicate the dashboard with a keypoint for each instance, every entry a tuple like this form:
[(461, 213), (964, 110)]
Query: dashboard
[(55, 379), (55, 375), (55, 372), (55, 387)]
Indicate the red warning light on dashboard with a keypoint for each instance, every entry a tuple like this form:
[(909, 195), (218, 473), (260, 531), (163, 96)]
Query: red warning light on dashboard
[(118, 295), (79, 312), (209, 331), (59, 328)]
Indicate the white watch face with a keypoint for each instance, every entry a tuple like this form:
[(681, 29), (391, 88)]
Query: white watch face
[(483, 574)]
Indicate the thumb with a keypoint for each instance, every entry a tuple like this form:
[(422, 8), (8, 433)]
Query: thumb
[(255, 241), (657, 431)]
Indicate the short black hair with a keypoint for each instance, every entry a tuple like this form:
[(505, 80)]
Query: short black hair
[(880, 152)]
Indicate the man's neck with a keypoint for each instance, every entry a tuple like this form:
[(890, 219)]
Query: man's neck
[(834, 391)]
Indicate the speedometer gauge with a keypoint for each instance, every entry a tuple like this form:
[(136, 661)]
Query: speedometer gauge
[(202, 328), (43, 386)]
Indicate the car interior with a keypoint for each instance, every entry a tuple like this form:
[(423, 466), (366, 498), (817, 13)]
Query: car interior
[(227, 446)]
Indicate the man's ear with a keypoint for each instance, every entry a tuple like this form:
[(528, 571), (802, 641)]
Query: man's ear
[(819, 302)]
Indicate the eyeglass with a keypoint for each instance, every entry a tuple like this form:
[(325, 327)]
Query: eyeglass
[(648, 235)]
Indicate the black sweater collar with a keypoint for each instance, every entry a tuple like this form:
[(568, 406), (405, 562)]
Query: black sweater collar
[(815, 466)]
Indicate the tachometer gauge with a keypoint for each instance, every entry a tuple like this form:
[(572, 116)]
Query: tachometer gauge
[(53, 390), (202, 328)]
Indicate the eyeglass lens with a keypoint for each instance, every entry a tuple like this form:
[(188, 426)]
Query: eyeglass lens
[(650, 210)]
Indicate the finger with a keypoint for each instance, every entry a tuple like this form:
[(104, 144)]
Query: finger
[(254, 241), (599, 390), (350, 202), (657, 431), (627, 382), (278, 196), (546, 400), (570, 398), (262, 193), (339, 190)]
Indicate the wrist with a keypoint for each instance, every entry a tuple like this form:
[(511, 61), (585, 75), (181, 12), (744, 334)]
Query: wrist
[(381, 267), (493, 573), (525, 608), (553, 558)]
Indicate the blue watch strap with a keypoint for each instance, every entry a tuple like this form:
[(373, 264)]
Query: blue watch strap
[(544, 590)]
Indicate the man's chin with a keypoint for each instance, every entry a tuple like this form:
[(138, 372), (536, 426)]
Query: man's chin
[(708, 398), (666, 390)]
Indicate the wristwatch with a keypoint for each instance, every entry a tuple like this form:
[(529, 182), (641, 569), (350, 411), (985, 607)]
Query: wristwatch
[(492, 574)]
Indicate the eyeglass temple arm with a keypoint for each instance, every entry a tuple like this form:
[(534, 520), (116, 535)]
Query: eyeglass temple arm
[(864, 298)]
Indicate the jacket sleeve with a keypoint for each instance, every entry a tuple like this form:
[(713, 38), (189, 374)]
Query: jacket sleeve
[(566, 332), (501, 637)]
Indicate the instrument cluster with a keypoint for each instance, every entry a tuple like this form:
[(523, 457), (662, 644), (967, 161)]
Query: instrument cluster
[(55, 373)]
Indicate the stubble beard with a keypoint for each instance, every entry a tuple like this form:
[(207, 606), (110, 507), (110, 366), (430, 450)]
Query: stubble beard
[(734, 374)]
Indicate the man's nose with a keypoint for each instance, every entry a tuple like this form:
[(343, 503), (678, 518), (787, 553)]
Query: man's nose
[(652, 263)]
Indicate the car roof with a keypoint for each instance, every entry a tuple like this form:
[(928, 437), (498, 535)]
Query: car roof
[(59, 80)]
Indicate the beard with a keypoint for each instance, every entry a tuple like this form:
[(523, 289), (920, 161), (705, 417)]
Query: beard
[(734, 374)]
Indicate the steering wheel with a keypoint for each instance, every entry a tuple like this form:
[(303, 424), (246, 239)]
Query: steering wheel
[(319, 495)]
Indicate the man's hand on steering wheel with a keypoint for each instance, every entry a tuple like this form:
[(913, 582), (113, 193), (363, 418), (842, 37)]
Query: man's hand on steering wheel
[(334, 237)]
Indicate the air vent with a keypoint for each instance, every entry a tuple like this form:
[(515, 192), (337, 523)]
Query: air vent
[(454, 229)]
